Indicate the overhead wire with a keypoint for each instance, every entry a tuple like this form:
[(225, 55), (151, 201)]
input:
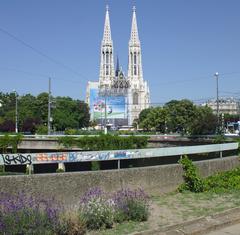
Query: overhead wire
[(41, 53)]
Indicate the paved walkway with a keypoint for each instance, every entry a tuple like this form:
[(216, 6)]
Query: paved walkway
[(231, 230)]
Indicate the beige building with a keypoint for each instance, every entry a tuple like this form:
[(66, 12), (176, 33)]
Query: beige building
[(226, 105)]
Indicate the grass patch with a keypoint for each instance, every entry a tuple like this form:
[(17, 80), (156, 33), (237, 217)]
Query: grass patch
[(122, 229)]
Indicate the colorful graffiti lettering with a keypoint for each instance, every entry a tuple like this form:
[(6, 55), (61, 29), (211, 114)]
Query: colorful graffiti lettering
[(36, 158), (51, 157)]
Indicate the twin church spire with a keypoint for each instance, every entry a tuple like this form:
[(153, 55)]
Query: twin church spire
[(107, 73), (134, 39), (107, 38)]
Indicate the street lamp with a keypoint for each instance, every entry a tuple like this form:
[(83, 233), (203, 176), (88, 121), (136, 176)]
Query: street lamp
[(216, 76), (16, 111)]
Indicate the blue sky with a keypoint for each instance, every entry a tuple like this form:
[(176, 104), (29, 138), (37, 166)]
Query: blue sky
[(184, 43)]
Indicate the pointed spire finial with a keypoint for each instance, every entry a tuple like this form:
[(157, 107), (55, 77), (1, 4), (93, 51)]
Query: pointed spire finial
[(134, 39), (107, 29)]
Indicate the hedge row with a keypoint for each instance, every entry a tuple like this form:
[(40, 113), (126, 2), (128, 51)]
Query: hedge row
[(104, 142)]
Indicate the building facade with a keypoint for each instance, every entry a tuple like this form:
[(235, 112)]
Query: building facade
[(113, 83), (226, 105)]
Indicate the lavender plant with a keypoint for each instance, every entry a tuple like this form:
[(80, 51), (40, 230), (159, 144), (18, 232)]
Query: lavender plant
[(24, 215), (97, 209), (131, 205)]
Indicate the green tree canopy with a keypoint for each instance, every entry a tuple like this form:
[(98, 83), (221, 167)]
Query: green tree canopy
[(33, 111), (179, 116)]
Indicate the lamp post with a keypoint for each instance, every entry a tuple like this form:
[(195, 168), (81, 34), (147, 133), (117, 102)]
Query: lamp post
[(49, 106), (216, 76), (105, 110), (16, 111)]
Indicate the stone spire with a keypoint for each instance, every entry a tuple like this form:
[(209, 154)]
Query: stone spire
[(138, 97), (117, 67), (134, 52), (107, 63), (107, 29), (134, 39)]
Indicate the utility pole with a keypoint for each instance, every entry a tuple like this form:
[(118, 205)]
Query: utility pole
[(16, 111), (105, 110), (49, 106), (216, 76)]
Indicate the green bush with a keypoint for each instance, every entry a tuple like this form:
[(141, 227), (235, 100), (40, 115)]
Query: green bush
[(15, 141), (42, 130), (4, 143), (72, 223), (219, 139), (104, 142), (67, 141), (10, 141), (60, 170), (2, 169), (24, 214), (224, 181), (96, 209), (131, 205), (95, 166), (192, 180)]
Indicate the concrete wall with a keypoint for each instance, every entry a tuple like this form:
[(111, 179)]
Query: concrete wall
[(68, 187)]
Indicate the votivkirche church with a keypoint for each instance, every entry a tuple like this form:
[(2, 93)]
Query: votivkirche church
[(117, 97)]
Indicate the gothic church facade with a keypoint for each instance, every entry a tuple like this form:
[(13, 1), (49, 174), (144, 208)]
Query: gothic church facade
[(132, 86)]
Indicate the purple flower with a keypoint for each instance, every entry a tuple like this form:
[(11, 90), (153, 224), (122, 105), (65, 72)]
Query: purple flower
[(124, 196), (21, 211), (92, 193)]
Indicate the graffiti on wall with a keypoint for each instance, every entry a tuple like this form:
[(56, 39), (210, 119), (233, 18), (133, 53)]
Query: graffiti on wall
[(38, 158), (16, 159), (101, 156), (50, 157)]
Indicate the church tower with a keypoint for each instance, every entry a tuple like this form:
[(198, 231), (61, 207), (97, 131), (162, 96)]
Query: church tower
[(107, 64), (138, 96), (134, 52)]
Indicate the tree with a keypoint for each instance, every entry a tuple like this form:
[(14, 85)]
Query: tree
[(180, 115), (33, 112), (205, 122), (154, 119), (69, 113), (143, 114)]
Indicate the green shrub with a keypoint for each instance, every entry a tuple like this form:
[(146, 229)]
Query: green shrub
[(15, 141), (67, 141), (72, 223), (223, 181), (4, 143), (24, 214), (104, 142), (131, 205), (10, 141), (192, 180), (42, 130), (60, 170), (71, 132), (2, 169), (95, 166), (219, 139), (96, 209)]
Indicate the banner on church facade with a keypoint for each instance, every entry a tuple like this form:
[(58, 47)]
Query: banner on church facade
[(115, 105)]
